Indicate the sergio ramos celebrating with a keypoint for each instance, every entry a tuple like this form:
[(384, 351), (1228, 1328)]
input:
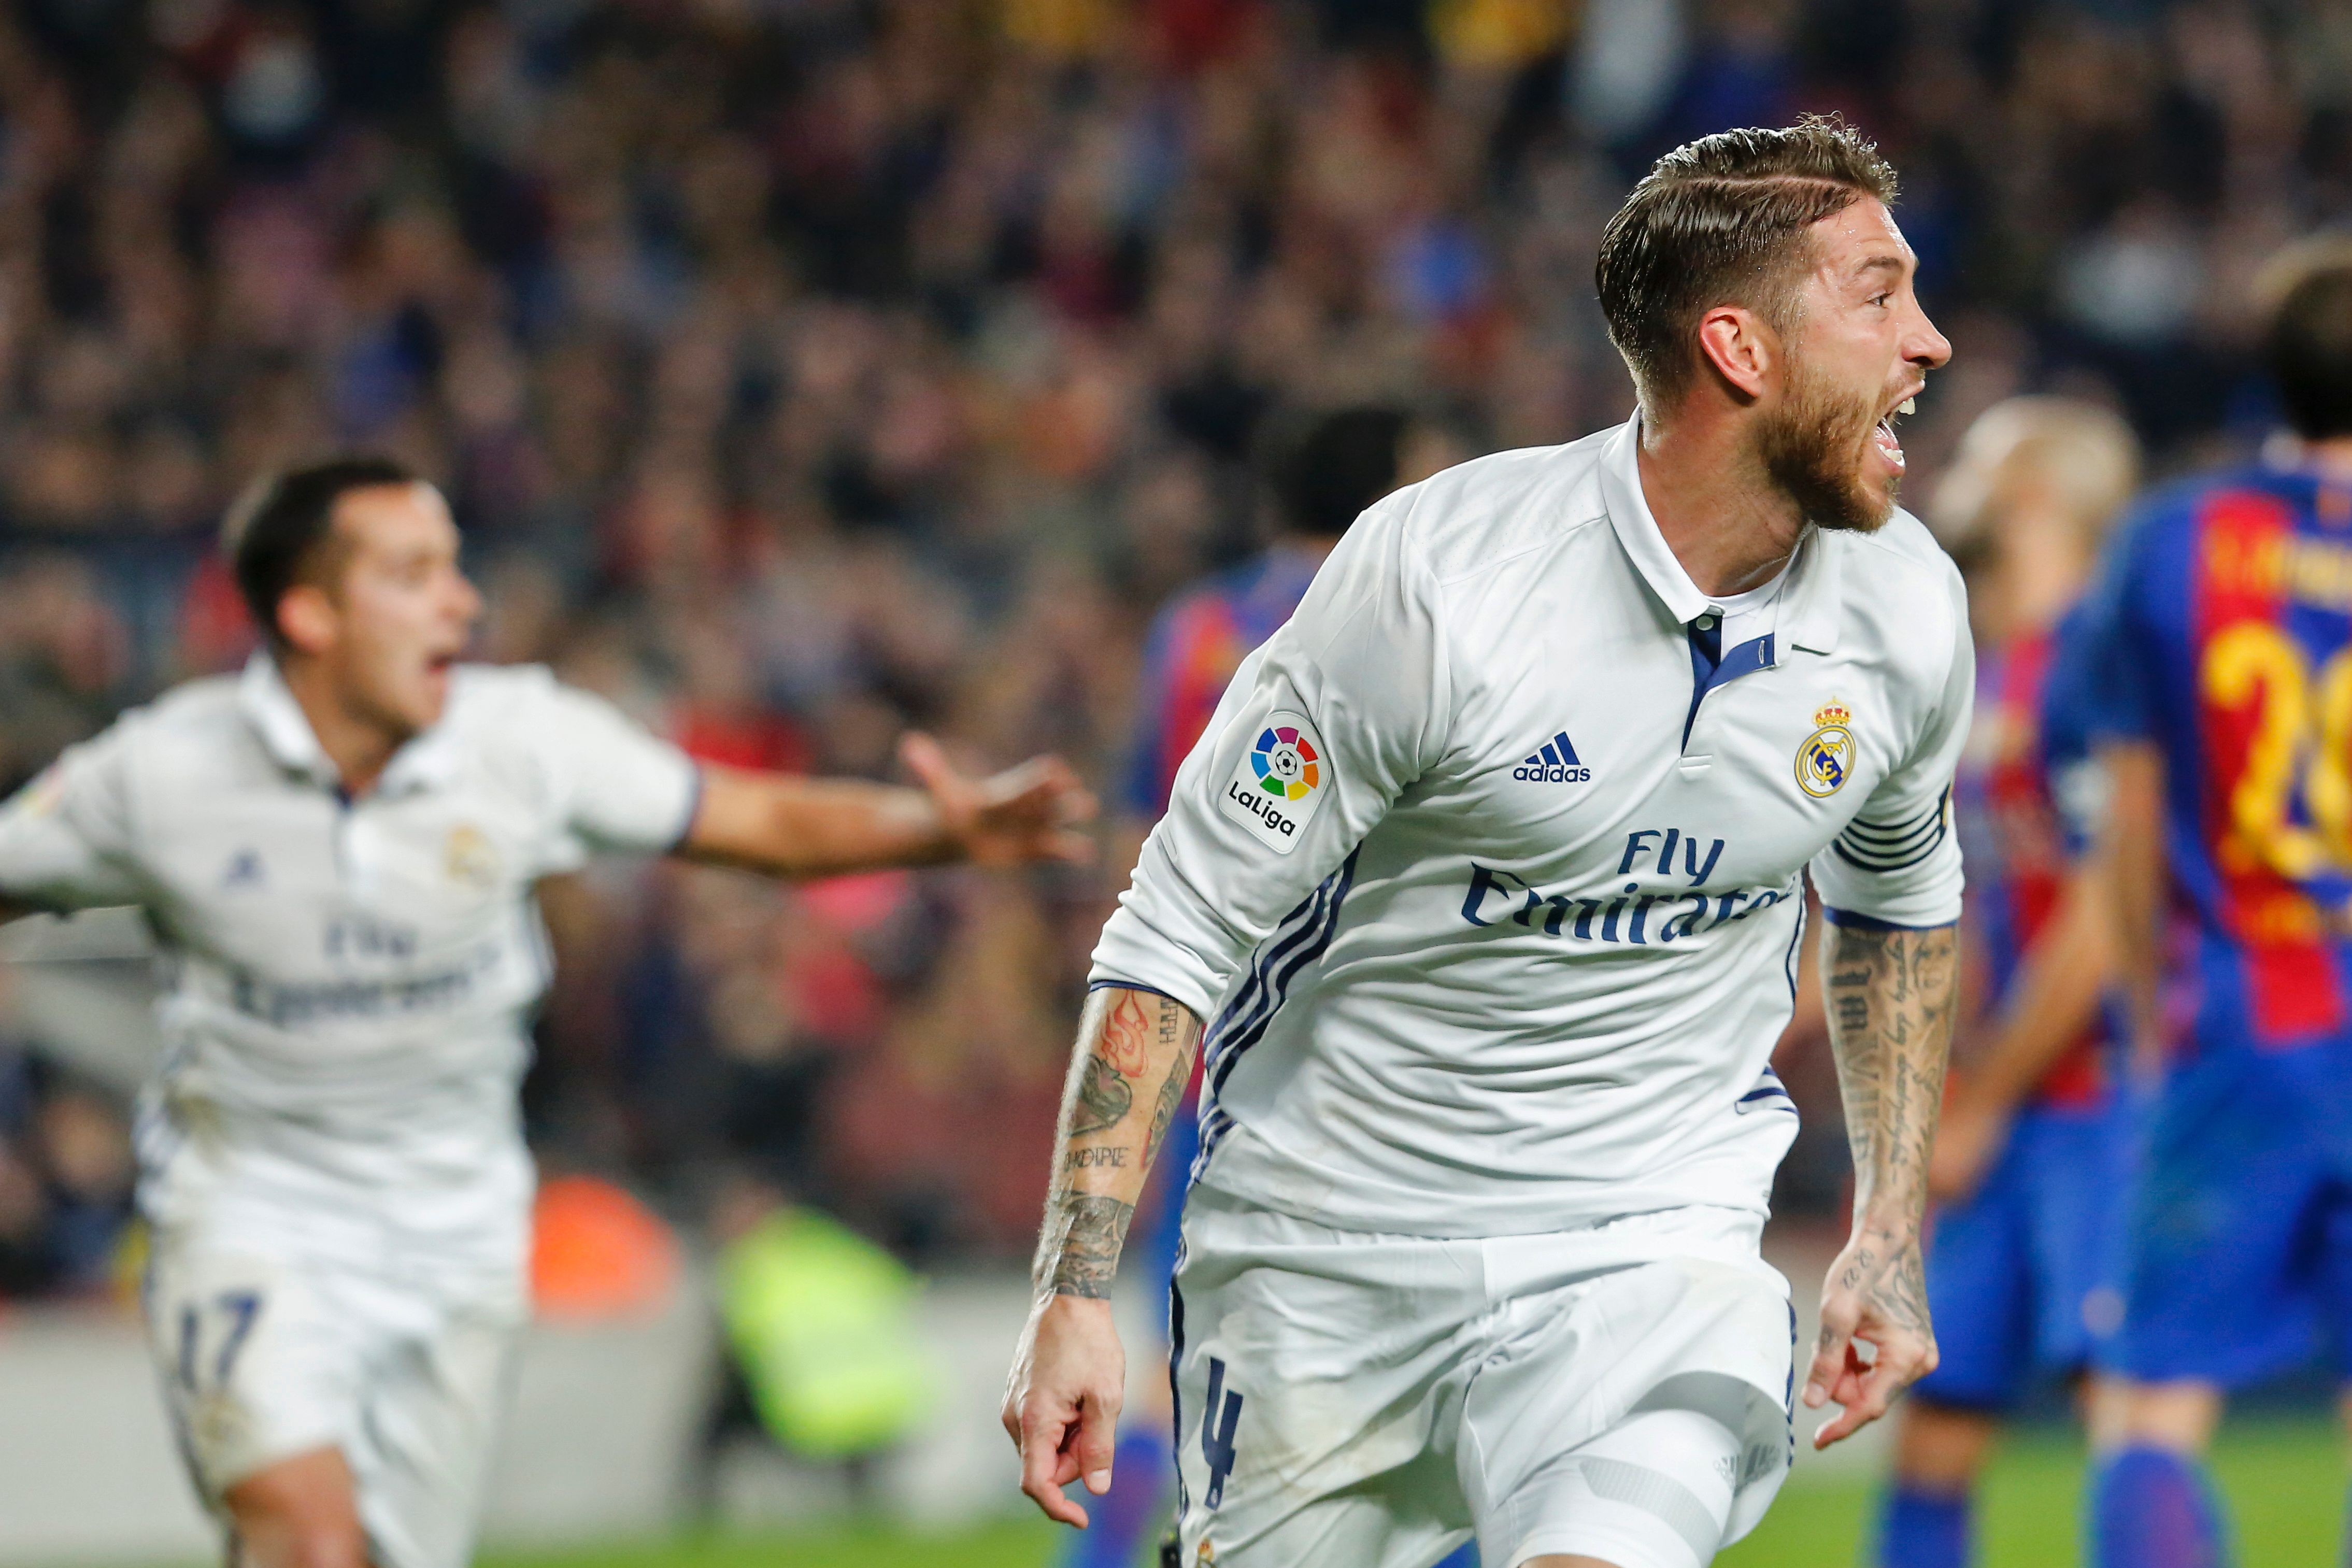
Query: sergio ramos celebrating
[(337, 851), (1489, 871)]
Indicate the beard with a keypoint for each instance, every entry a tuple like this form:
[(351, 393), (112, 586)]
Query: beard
[(1814, 447)]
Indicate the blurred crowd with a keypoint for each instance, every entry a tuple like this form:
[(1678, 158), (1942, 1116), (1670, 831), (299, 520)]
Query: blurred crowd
[(805, 370)]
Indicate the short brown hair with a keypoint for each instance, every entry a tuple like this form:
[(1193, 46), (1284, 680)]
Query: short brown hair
[(279, 527), (2306, 295), (1722, 220)]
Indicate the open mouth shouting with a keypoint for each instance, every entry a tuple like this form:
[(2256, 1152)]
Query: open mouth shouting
[(440, 664), (1883, 435)]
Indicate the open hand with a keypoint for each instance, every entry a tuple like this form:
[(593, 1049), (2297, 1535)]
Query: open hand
[(1876, 1295), (1062, 1401), (1028, 813)]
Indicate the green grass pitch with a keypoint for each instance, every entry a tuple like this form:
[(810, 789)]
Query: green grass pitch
[(2285, 1483)]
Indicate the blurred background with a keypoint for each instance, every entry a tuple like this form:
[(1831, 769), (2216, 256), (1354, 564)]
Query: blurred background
[(805, 370)]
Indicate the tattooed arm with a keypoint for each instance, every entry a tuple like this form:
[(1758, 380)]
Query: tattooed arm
[(1062, 1402), (1124, 1087), (1890, 991)]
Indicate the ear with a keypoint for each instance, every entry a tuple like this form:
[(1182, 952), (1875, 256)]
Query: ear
[(307, 618), (1740, 348)]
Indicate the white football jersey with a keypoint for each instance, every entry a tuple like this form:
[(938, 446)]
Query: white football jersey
[(346, 1013), (1488, 869)]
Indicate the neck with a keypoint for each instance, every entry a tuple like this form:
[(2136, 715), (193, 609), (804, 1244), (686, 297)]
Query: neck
[(361, 747), (1729, 524)]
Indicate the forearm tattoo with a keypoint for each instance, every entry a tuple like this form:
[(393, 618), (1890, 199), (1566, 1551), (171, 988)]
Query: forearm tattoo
[(1109, 1138), (1104, 1098), (1891, 995), (1086, 1254), (1888, 1272), (1163, 1109)]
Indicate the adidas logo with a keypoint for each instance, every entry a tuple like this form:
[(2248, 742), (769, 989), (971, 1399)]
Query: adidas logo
[(1554, 764)]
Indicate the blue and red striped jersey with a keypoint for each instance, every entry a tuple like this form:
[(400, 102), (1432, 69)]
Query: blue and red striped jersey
[(1197, 643), (2228, 646)]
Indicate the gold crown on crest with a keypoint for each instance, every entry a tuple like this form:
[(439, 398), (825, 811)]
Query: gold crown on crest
[(1831, 714)]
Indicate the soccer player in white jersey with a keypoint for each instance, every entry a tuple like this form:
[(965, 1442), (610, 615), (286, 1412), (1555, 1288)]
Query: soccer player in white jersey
[(1489, 871), (337, 852)]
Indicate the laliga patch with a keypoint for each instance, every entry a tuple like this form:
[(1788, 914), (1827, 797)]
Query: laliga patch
[(1280, 782)]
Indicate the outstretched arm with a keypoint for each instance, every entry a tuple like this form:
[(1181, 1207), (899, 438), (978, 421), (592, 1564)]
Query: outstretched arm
[(1890, 991), (788, 827), (1062, 1401)]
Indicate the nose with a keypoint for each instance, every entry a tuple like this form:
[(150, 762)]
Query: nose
[(466, 600), (1925, 346)]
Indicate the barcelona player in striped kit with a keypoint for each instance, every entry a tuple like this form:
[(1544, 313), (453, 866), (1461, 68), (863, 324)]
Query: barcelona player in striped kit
[(2229, 646), (2028, 1160)]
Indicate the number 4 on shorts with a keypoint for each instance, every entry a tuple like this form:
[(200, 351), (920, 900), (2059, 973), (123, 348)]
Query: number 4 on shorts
[(1217, 1424)]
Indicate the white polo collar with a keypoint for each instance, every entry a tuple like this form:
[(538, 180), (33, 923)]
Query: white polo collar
[(283, 730), (1808, 607)]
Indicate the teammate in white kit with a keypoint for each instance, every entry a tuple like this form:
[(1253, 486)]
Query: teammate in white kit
[(1489, 872), (337, 852)]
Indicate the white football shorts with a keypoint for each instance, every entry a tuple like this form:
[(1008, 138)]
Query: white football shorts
[(268, 1350), (1347, 1400)]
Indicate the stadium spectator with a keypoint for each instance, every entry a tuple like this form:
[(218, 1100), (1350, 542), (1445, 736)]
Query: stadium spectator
[(803, 370)]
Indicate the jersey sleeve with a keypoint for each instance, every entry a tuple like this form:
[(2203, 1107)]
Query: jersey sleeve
[(1898, 861), (617, 788), (66, 838), (1320, 731)]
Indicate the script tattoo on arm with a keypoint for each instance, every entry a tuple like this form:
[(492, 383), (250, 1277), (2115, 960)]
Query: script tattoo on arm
[(1128, 1039), (1177, 1053), (1890, 997)]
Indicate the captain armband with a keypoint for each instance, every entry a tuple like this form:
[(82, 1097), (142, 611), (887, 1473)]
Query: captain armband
[(1883, 846)]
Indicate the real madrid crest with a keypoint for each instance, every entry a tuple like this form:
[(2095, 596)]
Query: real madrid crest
[(470, 859), (1827, 756)]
